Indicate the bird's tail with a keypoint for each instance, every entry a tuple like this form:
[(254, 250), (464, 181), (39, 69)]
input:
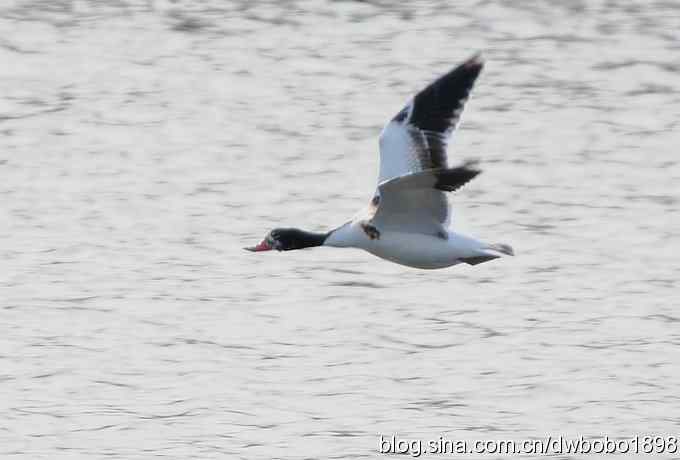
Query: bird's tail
[(501, 248), (490, 252)]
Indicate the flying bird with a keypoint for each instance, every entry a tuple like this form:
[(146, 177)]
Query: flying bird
[(408, 219)]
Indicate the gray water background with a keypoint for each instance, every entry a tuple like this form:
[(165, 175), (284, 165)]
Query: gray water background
[(142, 144)]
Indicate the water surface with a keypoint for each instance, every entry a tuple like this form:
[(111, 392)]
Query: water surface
[(143, 144)]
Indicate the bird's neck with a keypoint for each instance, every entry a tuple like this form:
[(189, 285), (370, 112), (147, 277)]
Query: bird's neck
[(307, 239), (342, 237)]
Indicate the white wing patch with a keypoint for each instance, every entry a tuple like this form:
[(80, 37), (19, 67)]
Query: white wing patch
[(398, 152), (412, 210), (415, 140)]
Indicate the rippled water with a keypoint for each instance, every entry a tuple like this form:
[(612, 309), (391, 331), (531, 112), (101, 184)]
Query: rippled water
[(143, 144)]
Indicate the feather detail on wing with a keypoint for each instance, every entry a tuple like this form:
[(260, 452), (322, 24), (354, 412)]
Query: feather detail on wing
[(417, 203), (416, 138)]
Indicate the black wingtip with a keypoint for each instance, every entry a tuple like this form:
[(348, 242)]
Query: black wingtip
[(450, 180), (475, 61), (438, 107)]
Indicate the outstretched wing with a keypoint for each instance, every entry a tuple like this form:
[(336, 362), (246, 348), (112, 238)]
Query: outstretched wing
[(411, 203), (416, 138)]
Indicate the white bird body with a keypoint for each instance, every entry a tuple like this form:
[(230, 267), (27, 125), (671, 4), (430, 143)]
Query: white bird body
[(408, 219), (412, 249)]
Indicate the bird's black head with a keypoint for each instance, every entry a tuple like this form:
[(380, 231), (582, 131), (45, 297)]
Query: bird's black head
[(287, 239)]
